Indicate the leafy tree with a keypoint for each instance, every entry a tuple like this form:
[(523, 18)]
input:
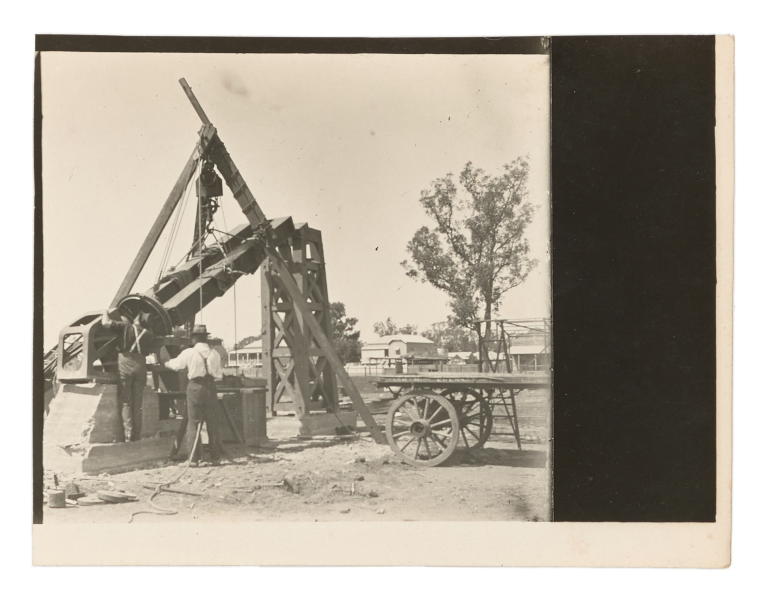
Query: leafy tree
[(346, 340), (390, 327), (247, 341), (476, 249), (452, 337)]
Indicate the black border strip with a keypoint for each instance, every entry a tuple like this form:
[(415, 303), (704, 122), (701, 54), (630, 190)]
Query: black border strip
[(37, 316), (184, 44), (633, 230)]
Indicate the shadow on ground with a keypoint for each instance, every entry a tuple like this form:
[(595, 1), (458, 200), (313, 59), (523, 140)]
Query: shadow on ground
[(500, 456)]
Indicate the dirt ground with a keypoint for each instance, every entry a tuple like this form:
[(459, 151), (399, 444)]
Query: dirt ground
[(337, 479)]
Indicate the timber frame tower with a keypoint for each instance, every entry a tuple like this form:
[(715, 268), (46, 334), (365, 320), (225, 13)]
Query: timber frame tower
[(294, 363)]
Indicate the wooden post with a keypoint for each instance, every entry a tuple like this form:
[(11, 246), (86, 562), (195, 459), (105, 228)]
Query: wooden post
[(195, 104), (300, 351), (267, 335)]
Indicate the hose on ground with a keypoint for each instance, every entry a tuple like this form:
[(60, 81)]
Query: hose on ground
[(157, 509)]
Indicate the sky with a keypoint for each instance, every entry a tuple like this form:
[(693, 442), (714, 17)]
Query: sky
[(343, 142)]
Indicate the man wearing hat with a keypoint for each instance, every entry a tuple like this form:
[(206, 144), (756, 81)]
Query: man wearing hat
[(134, 342), (203, 366)]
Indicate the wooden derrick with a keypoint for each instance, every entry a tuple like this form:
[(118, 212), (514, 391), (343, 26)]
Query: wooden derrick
[(303, 362), (217, 152), (296, 367)]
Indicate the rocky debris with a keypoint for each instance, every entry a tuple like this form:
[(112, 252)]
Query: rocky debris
[(315, 481), (90, 500), (345, 510), (116, 496), (293, 483)]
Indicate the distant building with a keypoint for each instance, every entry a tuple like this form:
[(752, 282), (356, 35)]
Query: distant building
[(523, 358), (462, 357), (250, 355), (524, 353), (400, 348)]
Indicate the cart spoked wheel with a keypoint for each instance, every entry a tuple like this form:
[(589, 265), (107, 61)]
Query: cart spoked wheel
[(422, 428), (475, 416)]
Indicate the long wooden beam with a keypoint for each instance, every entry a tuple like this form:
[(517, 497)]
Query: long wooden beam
[(166, 211), (195, 104), (256, 217)]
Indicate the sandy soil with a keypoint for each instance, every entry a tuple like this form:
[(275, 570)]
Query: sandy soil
[(332, 479)]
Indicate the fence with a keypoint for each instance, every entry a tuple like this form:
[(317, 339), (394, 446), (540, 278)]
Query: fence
[(375, 370)]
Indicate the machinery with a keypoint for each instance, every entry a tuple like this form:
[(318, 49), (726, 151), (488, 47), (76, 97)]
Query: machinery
[(430, 416), (295, 316)]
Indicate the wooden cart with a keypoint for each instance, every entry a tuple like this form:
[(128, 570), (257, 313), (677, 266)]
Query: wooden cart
[(433, 414)]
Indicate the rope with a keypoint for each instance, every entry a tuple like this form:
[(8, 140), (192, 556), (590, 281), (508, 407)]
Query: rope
[(234, 286), (234, 313), (171, 236), (230, 235), (179, 215), (218, 243), (200, 250), (157, 509)]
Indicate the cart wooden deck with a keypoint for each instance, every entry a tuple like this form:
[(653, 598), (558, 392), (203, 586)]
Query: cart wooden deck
[(434, 413)]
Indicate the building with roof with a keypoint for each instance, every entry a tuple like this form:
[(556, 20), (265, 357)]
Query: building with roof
[(247, 356), (462, 357), (390, 349)]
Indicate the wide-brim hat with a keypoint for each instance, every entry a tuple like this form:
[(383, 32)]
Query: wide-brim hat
[(199, 330)]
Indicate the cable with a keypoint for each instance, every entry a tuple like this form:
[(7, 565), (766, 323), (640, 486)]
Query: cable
[(213, 231), (156, 509), (230, 235), (234, 312), (200, 250), (176, 225), (171, 237)]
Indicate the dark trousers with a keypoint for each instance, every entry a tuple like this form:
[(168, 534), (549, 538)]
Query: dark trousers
[(130, 398), (203, 407)]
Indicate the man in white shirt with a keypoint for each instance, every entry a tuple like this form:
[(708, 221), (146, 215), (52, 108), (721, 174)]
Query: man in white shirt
[(203, 366)]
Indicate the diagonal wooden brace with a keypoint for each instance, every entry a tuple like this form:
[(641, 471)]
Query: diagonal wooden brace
[(227, 168), (210, 141), (325, 345)]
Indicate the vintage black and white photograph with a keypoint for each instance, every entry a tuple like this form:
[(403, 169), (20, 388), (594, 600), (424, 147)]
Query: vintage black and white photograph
[(296, 287), (346, 301)]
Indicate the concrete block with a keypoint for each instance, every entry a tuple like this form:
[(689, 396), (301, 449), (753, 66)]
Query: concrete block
[(83, 426), (126, 456), (81, 414), (327, 423)]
